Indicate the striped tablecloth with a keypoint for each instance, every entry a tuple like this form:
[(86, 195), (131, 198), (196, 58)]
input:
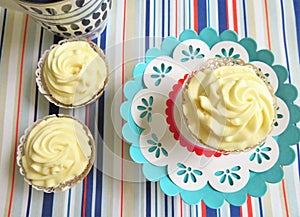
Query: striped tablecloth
[(116, 186)]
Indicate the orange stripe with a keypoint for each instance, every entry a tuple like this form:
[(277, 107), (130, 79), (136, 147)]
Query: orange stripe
[(235, 19), (123, 122), (285, 198), (196, 15), (249, 206), (181, 209), (203, 209), (268, 24), (18, 117)]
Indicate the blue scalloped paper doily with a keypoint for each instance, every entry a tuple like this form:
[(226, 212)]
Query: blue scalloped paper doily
[(157, 160)]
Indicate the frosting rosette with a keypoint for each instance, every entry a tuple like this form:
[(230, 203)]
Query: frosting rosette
[(73, 73), (56, 153), (229, 107)]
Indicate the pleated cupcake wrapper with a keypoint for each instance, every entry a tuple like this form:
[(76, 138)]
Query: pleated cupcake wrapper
[(68, 183), (215, 63), (40, 81)]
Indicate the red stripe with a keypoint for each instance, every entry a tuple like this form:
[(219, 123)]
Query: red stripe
[(227, 14), (123, 122), (196, 15), (249, 206), (241, 211), (18, 118), (285, 198), (85, 181), (268, 24), (235, 19), (83, 212), (181, 209), (203, 209)]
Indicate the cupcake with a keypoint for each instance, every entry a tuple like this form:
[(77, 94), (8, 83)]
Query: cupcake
[(229, 105), (72, 73), (56, 153)]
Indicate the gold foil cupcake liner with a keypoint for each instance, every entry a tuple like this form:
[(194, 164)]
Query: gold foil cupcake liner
[(68, 183), (214, 63), (40, 81)]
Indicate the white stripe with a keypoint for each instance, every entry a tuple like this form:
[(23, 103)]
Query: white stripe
[(172, 11), (276, 199), (7, 149), (240, 17), (260, 27), (230, 15), (214, 18), (225, 209)]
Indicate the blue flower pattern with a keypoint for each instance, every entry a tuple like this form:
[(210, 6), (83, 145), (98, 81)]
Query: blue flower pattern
[(279, 116), (191, 54), (160, 73), (146, 108), (156, 146), (230, 53), (188, 173), (229, 175), (260, 154)]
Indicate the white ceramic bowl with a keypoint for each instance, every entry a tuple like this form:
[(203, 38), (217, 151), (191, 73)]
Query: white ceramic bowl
[(70, 18)]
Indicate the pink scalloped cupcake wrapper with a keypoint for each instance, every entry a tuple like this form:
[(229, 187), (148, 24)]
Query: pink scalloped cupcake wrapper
[(191, 147)]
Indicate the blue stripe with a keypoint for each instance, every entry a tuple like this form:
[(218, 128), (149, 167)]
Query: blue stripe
[(173, 207), (47, 204), (245, 18), (2, 33), (147, 26), (154, 22), (147, 30), (235, 211), (163, 19), (219, 213), (29, 201), (190, 15), (156, 198), (169, 17), (166, 205), (202, 15), (99, 177), (69, 202), (208, 13), (90, 176), (297, 16), (197, 210), (89, 193), (222, 15), (148, 199), (260, 207), (211, 212)]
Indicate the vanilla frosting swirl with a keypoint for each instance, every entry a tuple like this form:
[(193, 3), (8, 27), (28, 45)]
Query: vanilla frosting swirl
[(56, 150), (230, 108), (74, 72)]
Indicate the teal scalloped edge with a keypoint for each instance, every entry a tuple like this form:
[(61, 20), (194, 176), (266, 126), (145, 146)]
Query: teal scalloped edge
[(256, 186)]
